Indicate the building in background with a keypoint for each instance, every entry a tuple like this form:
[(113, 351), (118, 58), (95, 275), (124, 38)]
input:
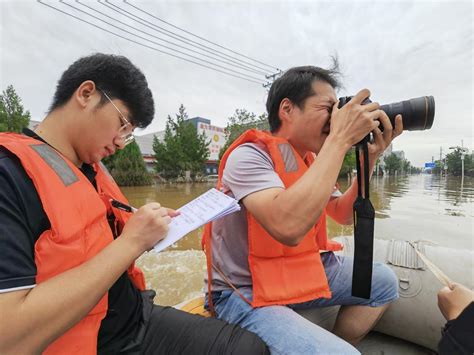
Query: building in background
[(145, 143), (381, 162), (217, 137), (203, 125)]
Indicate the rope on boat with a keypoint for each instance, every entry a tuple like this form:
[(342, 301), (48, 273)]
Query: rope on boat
[(440, 275)]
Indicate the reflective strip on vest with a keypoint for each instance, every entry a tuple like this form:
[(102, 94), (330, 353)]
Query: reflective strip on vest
[(288, 157), (56, 163)]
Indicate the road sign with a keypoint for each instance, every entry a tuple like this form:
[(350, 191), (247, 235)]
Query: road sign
[(430, 165)]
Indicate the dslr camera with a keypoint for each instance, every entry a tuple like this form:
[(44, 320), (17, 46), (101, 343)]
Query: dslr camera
[(417, 114)]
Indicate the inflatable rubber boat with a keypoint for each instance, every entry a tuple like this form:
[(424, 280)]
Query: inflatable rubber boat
[(412, 324)]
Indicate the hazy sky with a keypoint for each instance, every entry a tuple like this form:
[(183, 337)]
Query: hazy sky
[(398, 50)]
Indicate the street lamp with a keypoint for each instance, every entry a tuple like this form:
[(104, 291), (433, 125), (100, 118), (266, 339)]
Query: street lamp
[(463, 151)]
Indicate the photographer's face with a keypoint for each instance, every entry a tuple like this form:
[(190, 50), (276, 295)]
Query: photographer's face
[(310, 126)]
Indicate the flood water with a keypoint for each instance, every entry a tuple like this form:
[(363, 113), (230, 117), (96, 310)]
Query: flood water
[(414, 207)]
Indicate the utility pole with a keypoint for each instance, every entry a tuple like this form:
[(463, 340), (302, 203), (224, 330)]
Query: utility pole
[(462, 162), (272, 78), (440, 161), (463, 151)]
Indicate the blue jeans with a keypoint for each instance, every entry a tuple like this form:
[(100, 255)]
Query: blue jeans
[(285, 331)]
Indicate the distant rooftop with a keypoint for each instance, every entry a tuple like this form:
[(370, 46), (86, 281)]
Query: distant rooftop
[(145, 142)]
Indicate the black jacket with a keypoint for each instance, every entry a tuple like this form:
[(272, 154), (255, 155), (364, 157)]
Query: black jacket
[(458, 334)]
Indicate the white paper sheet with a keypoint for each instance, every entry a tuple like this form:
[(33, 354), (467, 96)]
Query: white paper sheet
[(209, 206)]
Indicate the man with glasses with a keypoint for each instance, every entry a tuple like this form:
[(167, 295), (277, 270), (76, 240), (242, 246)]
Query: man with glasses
[(126, 129), (68, 284)]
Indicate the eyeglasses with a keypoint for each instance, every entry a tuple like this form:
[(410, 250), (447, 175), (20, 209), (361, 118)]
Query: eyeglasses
[(125, 132)]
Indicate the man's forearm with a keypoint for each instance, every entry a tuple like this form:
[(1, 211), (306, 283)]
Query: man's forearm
[(340, 208), (54, 306)]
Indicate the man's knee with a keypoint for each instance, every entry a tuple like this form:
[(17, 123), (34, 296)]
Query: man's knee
[(385, 284), (248, 343)]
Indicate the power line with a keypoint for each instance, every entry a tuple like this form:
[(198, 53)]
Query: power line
[(194, 35), (145, 45), (178, 37), (166, 41), (158, 44)]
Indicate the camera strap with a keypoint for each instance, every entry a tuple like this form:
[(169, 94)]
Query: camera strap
[(364, 214)]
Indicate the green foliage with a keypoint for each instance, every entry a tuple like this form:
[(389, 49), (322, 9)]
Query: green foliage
[(128, 167), (12, 116), (392, 163), (239, 122), (406, 166), (438, 167), (182, 148), (348, 164), (454, 163), (168, 154)]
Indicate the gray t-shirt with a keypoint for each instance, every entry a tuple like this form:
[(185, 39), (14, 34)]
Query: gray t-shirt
[(249, 169)]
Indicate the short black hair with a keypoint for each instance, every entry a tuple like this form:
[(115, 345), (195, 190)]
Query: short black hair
[(296, 84), (114, 75)]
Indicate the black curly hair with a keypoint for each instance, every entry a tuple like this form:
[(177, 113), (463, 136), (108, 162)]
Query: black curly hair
[(114, 75)]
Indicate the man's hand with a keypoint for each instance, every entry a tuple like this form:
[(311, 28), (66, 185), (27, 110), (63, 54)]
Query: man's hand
[(354, 121), (383, 139), (148, 226), (452, 302)]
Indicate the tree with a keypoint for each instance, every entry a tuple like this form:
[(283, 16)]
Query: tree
[(182, 149), (406, 166), (453, 161), (13, 118), (348, 164), (392, 163), (194, 146), (239, 122), (439, 164), (168, 154), (128, 167)]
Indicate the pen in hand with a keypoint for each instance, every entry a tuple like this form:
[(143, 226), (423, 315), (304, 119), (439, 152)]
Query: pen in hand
[(127, 208), (122, 206)]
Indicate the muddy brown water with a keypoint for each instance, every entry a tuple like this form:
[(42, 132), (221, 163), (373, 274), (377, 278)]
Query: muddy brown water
[(414, 207)]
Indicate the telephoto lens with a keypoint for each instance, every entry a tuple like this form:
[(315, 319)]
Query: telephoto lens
[(417, 114)]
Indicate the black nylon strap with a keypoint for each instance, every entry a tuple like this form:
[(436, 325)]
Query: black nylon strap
[(366, 170), (364, 215), (359, 176)]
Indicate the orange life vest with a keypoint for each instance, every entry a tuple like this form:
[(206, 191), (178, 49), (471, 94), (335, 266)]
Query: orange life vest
[(79, 227), (280, 274)]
